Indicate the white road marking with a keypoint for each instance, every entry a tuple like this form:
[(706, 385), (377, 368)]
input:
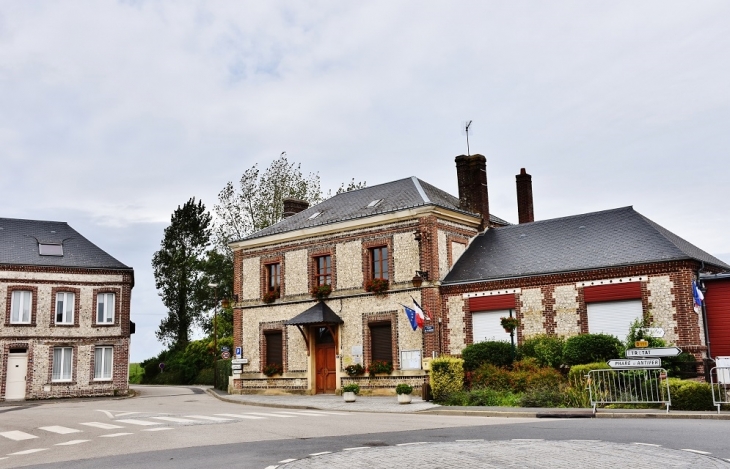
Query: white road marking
[(271, 467), (527, 439), (28, 451), (584, 441), (323, 452), (322, 412), (410, 444), (286, 461), (60, 430), (112, 435), (647, 444), (103, 426), (16, 435), (207, 417), (158, 429), (138, 422), (469, 441), (296, 414), (271, 415), (355, 448), (696, 451), (241, 416), (112, 415), (176, 420), (72, 442)]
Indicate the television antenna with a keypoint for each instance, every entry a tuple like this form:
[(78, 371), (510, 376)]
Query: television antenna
[(466, 129)]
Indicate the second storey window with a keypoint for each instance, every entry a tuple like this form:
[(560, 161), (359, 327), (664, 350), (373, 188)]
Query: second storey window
[(379, 262), (273, 277), (65, 307), (323, 269), (105, 308), (20, 307)]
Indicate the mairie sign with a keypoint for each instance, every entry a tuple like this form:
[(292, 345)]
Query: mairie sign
[(640, 363), (657, 352)]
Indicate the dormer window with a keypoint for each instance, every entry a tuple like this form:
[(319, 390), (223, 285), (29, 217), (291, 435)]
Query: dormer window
[(374, 203), (315, 215), (50, 249)]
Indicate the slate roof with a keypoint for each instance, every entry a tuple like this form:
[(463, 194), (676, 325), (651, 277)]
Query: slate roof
[(609, 238), (19, 246), (317, 314), (396, 195)]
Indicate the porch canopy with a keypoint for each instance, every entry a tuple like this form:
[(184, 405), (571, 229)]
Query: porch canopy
[(318, 315)]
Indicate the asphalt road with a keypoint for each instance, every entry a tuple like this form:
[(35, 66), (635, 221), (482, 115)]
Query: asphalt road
[(186, 429)]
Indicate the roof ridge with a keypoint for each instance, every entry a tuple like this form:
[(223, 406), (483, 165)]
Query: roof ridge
[(571, 216), (33, 220), (421, 192)]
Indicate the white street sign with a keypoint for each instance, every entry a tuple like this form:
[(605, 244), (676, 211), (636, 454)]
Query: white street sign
[(653, 352), (657, 332), (645, 363), (241, 361)]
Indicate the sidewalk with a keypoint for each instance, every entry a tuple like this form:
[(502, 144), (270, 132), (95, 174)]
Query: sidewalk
[(389, 404)]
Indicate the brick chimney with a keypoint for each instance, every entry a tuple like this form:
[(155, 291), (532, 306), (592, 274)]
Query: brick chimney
[(524, 197), (471, 172), (294, 206)]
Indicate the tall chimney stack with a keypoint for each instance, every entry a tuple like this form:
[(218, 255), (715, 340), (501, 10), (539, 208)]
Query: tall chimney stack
[(471, 172), (294, 206), (524, 197)]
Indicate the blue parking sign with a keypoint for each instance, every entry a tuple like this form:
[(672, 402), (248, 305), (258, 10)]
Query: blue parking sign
[(238, 352)]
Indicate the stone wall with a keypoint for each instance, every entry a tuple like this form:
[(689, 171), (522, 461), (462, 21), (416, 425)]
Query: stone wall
[(567, 316), (531, 310), (349, 264), (661, 306), (251, 278)]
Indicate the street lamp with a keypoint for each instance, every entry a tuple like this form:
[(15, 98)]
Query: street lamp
[(215, 335)]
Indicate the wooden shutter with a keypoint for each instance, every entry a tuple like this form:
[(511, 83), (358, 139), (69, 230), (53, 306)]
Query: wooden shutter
[(613, 292), (274, 348), (381, 342), (492, 303), (717, 302)]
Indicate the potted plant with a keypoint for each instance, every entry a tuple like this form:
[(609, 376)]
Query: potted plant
[(404, 393), (320, 292), (354, 370), (378, 286), (380, 367), (273, 369), (509, 324), (349, 391), (272, 295)]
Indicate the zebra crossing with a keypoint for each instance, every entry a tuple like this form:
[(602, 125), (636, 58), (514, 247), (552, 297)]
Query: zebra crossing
[(151, 423)]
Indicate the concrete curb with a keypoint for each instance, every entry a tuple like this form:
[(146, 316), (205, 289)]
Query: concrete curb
[(257, 404), (579, 414)]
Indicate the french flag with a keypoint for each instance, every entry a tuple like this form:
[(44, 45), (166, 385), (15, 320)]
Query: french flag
[(421, 315), (412, 317)]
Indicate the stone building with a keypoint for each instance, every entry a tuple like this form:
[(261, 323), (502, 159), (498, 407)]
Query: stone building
[(65, 323), (406, 233), (595, 272)]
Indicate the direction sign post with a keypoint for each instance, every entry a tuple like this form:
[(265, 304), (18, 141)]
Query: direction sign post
[(656, 352), (641, 363), (656, 332)]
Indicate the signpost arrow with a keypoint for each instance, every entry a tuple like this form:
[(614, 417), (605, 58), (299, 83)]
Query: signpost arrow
[(653, 352), (645, 363), (653, 331)]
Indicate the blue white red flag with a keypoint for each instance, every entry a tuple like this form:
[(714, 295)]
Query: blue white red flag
[(698, 297), (411, 317), (421, 314)]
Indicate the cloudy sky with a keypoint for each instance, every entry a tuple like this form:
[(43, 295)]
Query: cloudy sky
[(114, 113)]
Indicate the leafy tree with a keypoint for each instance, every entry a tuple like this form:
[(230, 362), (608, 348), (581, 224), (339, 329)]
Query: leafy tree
[(179, 272), (218, 268)]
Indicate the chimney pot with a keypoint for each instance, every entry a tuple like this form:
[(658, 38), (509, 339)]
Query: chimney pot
[(293, 206), (525, 211), (471, 173)]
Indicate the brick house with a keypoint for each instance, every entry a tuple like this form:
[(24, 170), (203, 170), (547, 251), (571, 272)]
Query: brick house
[(406, 232), (65, 305), (595, 272)]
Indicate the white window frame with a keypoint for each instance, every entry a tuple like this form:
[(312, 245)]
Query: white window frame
[(20, 299), (63, 371), (68, 300), (107, 313), (98, 366)]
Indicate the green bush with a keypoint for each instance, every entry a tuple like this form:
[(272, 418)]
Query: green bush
[(546, 349), (204, 376), (579, 372), (690, 395), (590, 348), (493, 352), (224, 370), (403, 389), (543, 397), (482, 397), (527, 375), (354, 387), (136, 373), (489, 376), (447, 376)]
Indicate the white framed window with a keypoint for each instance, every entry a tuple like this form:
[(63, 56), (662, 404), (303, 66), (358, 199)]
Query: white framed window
[(103, 357), (613, 317), (65, 303), (105, 308), (487, 326), (20, 305), (62, 360)]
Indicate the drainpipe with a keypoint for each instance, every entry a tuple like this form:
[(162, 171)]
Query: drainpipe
[(704, 311)]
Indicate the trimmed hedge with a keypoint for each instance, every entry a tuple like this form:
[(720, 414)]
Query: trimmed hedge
[(690, 395), (447, 376), (492, 352), (590, 348), (546, 349)]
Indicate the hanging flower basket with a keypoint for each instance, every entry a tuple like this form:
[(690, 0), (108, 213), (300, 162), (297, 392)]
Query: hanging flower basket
[(273, 369), (380, 367), (378, 286), (271, 296), (321, 292), (354, 370), (509, 324)]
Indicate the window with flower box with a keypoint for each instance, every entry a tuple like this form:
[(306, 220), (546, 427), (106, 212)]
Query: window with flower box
[(379, 262), (323, 270)]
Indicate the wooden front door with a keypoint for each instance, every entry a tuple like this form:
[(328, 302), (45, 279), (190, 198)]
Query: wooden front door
[(326, 380)]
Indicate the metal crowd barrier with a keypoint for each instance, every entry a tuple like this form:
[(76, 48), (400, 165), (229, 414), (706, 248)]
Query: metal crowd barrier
[(720, 381), (629, 386)]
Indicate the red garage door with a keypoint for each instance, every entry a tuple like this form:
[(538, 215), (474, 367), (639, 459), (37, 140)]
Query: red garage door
[(717, 302)]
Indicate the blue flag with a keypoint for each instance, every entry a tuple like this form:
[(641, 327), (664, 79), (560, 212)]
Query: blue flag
[(411, 317)]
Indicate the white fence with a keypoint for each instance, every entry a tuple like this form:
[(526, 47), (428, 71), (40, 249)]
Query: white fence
[(631, 386), (720, 380)]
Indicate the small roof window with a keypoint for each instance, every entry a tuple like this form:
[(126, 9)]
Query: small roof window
[(374, 203), (50, 249), (315, 215)]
